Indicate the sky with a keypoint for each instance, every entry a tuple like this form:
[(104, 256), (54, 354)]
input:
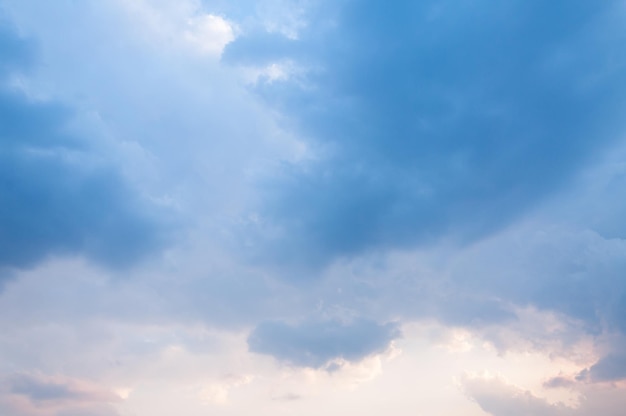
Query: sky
[(213, 207)]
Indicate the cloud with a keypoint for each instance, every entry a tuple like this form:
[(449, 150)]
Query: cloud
[(559, 382), (432, 119), (43, 389), (424, 121), (59, 194), (561, 267), (316, 343), (498, 398), (18, 53), (611, 367), (260, 49), (38, 395)]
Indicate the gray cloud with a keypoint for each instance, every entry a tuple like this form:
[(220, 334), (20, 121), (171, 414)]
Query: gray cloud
[(611, 367), (559, 382), (316, 343)]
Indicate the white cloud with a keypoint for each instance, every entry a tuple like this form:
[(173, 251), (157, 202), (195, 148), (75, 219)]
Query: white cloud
[(209, 33), (174, 24)]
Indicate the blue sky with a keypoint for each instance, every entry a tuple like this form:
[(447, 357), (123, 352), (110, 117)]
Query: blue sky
[(312, 207)]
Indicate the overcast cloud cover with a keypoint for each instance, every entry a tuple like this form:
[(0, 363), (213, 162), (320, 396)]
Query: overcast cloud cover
[(312, 206)]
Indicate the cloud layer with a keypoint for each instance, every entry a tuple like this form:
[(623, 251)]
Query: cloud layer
[(434, 119)]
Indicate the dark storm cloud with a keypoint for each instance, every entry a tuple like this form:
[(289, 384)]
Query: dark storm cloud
[(315, 344), (440, 117)]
